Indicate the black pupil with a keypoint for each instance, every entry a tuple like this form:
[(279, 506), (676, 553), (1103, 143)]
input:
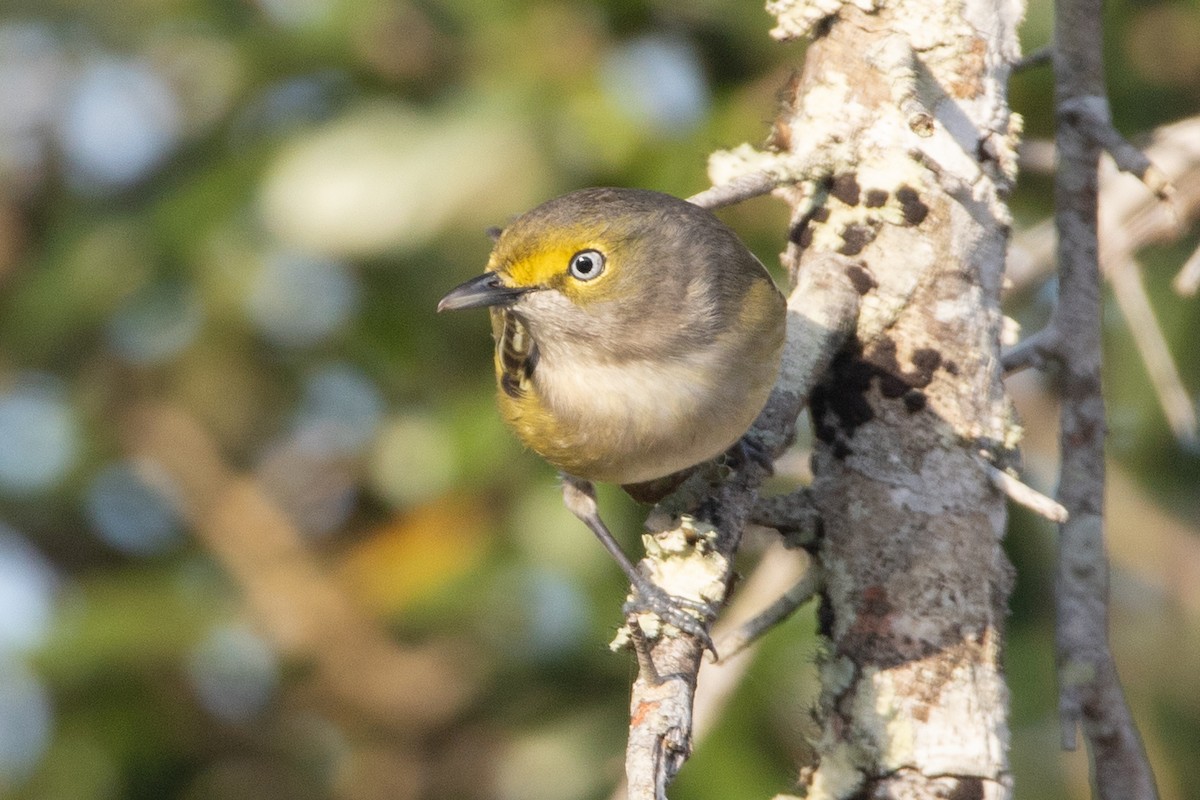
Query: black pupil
[(584, 264)]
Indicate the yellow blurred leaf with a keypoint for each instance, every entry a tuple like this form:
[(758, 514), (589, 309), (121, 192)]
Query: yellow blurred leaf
[(417, 553)]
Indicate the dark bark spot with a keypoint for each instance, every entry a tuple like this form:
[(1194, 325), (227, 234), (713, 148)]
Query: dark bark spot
[(892, 386), (951, 367), (845, 188), (914, 400), (911, 205), (855, 238), (926, 360), (875, 602), (801, 234), (824, 615), (968, 788), (819, 214), (876, 198), (861, 279)]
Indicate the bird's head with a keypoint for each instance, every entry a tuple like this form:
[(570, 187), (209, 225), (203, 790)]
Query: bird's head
[(614, 270)]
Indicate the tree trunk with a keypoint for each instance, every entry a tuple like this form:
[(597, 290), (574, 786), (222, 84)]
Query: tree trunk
[(901, 120)]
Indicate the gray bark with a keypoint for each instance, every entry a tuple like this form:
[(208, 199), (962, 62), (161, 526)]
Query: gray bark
[(905, 103)]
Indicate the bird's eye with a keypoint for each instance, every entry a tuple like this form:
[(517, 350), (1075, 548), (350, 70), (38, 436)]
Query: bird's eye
[(587, 264)]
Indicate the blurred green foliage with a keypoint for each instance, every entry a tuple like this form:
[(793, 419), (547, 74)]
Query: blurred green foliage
[(224, 227)]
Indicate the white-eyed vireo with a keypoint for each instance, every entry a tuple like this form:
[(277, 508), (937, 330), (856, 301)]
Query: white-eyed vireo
[(636, 336)]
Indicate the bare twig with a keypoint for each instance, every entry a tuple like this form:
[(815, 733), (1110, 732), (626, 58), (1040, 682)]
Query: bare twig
[(1188, 280), (777, 569), (1033, 351), (793, 515), (1025, 495), (1130, 219), (1147, 334), (1090, 691), (743, 187), (1091, 115), (1038, 58), (800, 593)]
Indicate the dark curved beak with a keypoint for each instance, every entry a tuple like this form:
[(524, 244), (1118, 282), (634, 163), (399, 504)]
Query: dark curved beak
[(486, 290)]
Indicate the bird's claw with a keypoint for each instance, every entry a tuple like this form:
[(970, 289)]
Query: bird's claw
[(749, 449), (673, 610)]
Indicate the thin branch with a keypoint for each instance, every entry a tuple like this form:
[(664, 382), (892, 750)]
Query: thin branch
[(1025, 495), (1131, 220), (743, 187), (1091, 115), (1033, 351), (1188, 280), (1147, 334), (1038, 58), (1090, 693), (793, 515), (750, 631)]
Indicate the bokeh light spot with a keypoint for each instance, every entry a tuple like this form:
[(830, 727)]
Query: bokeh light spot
[(157, 324), (31, 79), (134, 508), (234, 673), (414, 460), (340, 410), (39, 439), (658, 82), (297, 13), (26, 720), (298, 300), (310, 483), (120, 121), (27, 588), (558, 614)]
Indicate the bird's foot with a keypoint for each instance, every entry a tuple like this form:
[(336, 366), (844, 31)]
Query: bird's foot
[(690, 616), (749, 449)]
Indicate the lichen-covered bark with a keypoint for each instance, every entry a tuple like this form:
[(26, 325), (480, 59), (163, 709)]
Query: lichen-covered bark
[(900, 119)]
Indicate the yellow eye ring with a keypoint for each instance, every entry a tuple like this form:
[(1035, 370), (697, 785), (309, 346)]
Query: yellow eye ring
[(586, 265)]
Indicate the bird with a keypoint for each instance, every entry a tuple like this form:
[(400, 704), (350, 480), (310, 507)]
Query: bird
[(635, 337)]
